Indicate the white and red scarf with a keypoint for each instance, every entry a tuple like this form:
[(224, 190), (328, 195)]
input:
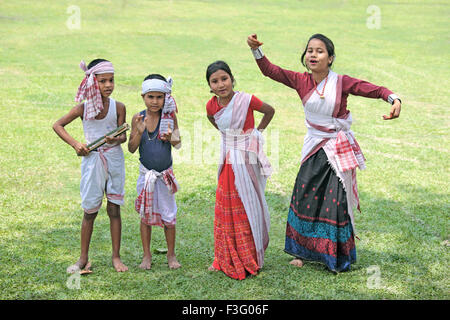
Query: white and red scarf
[(89, 89), (144, 201), (250, 166)]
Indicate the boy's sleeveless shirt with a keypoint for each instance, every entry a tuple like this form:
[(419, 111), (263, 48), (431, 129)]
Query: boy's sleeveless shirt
[(94, 129), (154, 153)]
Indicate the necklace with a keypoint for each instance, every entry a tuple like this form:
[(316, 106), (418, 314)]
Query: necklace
[(323, 89), (153, 138)]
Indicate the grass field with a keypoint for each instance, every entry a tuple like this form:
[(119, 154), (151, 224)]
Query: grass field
[(404, 225)]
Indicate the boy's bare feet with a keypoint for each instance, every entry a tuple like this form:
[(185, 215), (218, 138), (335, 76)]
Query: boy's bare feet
[(297, 263), (146, 263), (77, 266), (173, 263), (118, 265)]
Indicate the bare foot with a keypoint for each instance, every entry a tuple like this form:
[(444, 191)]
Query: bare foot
[(297, 263), (118, 265), (173, 263), (211, 268), (77, 266), (146, 263)]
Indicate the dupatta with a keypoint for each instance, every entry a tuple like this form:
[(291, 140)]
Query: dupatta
[(244, 151)]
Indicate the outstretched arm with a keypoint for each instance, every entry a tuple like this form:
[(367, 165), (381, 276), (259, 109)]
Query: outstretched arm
[(366, 89)]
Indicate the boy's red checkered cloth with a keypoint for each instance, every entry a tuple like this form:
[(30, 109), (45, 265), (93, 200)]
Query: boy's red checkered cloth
[(144, 202), (89, 89)]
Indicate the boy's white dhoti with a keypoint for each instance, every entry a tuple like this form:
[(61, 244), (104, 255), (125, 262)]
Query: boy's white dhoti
[(102, 171)]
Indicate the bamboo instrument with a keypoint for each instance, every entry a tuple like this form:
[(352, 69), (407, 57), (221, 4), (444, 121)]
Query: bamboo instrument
[(101, 141)]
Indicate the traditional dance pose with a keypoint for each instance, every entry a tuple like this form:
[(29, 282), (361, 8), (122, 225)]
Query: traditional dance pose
[(103, 169), (320, 224), (242, 222), (154, 131)]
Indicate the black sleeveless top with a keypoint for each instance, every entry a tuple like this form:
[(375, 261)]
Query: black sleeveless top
[(154, 153)]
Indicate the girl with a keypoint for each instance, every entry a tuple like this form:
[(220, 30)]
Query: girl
[(320, 224), (242, 222), (154, 131), (103, 169)]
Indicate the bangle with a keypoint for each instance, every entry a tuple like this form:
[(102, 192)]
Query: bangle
[(257, 53), (392, 97)]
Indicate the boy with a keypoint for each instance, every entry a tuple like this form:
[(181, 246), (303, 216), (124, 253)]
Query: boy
[(103, 169)]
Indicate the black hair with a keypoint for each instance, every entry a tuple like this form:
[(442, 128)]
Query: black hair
[(155, 76), (328, 44), (216, 66), (95, 62)]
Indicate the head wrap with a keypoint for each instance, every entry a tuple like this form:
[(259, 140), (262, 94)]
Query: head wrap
[(157, 85), (89, 89), (170, 106)]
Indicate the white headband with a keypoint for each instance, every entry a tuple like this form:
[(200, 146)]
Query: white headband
[(157, 85)]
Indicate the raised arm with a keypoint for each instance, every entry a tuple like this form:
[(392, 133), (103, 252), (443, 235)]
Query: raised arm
[(137, 129), (286, 77)]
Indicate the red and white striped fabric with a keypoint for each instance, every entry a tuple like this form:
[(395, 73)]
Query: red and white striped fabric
[(89, 90), (348, 153), (144, 202)]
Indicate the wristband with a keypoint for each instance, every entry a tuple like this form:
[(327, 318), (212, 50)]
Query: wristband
[(392, 97), (257, 53)]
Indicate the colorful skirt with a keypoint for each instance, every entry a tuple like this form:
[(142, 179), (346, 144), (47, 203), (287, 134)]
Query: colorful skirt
[(318, 226), (234, 247)]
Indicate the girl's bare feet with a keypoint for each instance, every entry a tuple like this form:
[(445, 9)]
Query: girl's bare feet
[(211, 268), (118, 265), (146, 263), (297, 263), (173, 263)]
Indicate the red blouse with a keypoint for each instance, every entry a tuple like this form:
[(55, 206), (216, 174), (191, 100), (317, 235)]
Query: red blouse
[(304, 83), (212, 106)]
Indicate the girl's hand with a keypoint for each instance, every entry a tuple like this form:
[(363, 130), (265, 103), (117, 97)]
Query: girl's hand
[(395, 110), (253, 42), (167, 136), (81, 149)]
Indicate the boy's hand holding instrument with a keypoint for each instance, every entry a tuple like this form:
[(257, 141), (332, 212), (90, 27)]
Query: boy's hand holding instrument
[(101, 141)]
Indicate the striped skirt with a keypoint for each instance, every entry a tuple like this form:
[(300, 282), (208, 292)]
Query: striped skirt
[(234, 248), (318, 226)]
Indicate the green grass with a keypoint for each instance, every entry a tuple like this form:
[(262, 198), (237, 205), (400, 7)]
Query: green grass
[(404, 192)]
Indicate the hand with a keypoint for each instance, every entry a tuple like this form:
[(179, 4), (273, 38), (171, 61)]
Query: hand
[(395, 110), (81, 149), (167, 136), (139, 124), (253, 42), (110, 139)]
